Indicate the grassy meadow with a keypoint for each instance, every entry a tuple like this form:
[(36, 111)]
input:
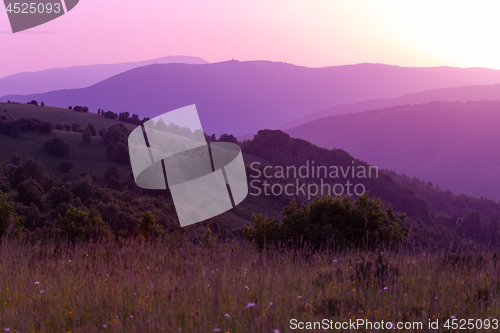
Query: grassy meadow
[(177, 286)]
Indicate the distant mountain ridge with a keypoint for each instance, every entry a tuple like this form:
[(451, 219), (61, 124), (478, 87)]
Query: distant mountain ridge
[(451, 94), (243, 97), (77, 76), (454, 145)]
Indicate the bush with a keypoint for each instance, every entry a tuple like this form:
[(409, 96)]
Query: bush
[(58, 195), (329, 221), (66, 166), (10, 223), (57, 147), (67, 127), (86, 136), (75, 127), (59, 127), (47, 127), (78, 224), (118, 153), (92, 129), (147, 227), (116, 133)]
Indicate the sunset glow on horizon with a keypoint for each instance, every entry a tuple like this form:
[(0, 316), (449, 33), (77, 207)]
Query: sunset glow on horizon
[(313, 34)]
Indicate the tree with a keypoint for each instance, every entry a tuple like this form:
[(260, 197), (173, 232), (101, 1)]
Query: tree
[(78, 224), (57, 147), (118, 153), (228, 138), (59, 195), (79, 108), (147, 228), (67, 127), (123, 116), (86, 136), (43, 104), (10, 223), (58, 127), (92, 129), (110, 115), (116, 133)]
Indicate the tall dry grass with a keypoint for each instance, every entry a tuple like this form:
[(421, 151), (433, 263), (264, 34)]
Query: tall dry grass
[(182, 287)]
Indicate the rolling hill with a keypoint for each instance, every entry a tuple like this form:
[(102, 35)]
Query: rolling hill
[(455, 94), (243, 97), (76, 76), (455, 145)]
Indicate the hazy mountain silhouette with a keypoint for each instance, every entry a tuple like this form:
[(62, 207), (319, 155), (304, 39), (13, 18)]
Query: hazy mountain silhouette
[(76, 76), (454, 145), (455, 94), (243, 97)]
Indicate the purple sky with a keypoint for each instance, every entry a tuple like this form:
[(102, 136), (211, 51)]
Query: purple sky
[(312, 33)]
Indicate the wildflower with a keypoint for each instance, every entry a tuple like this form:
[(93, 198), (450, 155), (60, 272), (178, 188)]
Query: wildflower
[(249, 305), (104, 326), (70, 314), (335, 260), (42, 291), (299, 296), (134, 294), (148, 267), (275, 331), (36, 282), (216, 329), (385, 288), (131, 317), (453, 317), (227, 316), (69, 260), (6, 329), (247, 287), (271, 303)]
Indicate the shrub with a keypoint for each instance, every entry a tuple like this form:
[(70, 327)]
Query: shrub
[(78, 224), (57, 147), (75, 127), (10, 223), (58, 127), (147, 228), (66, 166), (331, 221), (30, 191), (47, 127), (110, 115), (58, 195), (86, 136), (92, 129), (116, 133), (67, 127), (79, 108), (118, 153)]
